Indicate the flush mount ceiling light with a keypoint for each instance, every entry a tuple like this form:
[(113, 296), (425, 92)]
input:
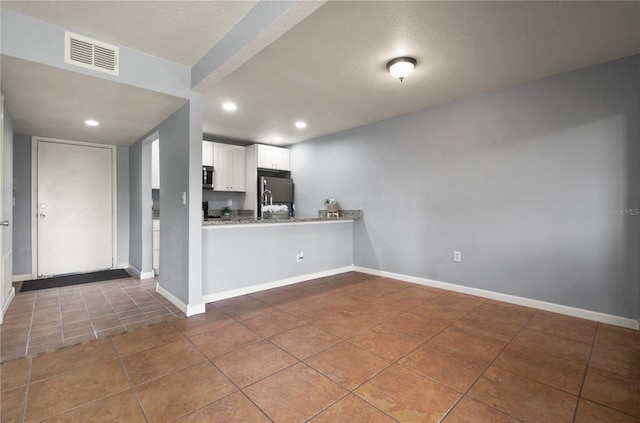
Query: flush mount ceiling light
[(229, 106), (91, 122), (401, 67), (301, 125)]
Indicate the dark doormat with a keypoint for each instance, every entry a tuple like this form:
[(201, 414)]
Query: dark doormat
[(58, 281)]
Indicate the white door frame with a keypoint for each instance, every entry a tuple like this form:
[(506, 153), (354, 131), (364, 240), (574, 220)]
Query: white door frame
[(34, 198), (6, 295)]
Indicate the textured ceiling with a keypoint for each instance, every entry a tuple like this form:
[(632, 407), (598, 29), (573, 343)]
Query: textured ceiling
[(179, 31), (324, 63), (330, 68), (67, 99)]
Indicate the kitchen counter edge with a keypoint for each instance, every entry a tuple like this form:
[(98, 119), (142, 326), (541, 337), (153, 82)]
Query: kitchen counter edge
[(347, 217)]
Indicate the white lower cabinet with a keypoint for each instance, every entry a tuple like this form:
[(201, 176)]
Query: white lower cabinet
[(156, 246)]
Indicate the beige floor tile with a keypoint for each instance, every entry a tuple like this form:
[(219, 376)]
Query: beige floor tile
[(72, 389), (183, 392), (146, 338), (352, 409), (469, 410), (235, 408), (542, 367), (455, 370), (253, 362), (304, 341), (347, 364), (224, 339), (523, 398), (294, 394), (386, 342), (121, 407), (407, 396), (153, 363)]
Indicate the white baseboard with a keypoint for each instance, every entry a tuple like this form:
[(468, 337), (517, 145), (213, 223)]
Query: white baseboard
[(122, 266), (187, 309), (22, 278), (7, 303), (275, 284), (142, 275), (512, 299)]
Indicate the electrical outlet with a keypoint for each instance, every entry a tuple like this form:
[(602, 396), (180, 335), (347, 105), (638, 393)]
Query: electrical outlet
[(229, 203), (300, 256), (457, 256)]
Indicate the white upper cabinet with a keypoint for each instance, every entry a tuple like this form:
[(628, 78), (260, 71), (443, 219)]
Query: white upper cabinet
[(155, 164), (270, 157), (207, 153), (228, 167)]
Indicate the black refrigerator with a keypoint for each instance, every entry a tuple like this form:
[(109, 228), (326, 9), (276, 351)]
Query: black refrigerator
[(275, 191)]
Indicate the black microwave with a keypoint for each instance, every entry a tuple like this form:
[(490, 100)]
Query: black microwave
[(207, 177)]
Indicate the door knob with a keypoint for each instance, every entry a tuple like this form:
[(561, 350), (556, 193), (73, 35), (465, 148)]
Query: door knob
[(5, 223), (43, 215)]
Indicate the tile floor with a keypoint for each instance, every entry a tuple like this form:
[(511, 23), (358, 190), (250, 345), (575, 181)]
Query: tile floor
[(348, 348), (48, 319)]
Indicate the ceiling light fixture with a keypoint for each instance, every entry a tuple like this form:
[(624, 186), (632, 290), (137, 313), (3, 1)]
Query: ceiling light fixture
[(229, 106), (401, 67), (91, 122), (301, 125), (277, 139)]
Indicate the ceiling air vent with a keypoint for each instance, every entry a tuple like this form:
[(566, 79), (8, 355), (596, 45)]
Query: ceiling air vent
[(91, 54)]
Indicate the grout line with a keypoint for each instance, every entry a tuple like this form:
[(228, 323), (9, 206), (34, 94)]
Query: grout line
[(26, 392), (61, 322), (86, 307), (464, 394), (33, 312), (586, 370), (126, 375)]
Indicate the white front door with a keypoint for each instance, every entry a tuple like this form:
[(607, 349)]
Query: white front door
[(74, 208)]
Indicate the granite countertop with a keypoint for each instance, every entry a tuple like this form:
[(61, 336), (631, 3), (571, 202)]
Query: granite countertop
[(345, 215)]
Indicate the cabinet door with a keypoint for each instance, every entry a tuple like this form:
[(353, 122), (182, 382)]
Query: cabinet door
[(265, 159), (207, 153), (155, 164), (237, 171), (280, 157), (220, 167)]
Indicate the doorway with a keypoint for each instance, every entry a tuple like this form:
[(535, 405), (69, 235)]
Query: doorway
[(73, 205)]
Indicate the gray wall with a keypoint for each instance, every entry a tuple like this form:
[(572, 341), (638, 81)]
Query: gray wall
[(242, 256), (7, 174), (122, 186), (520, 181), (22, 209), (180, 142), (175, 136), (140, 230)]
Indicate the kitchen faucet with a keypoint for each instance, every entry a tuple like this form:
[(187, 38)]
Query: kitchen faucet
[(264, 198)]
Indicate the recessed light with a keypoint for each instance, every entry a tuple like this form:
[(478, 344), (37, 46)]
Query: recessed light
[(91, 122), (301, 125), (229, 106)]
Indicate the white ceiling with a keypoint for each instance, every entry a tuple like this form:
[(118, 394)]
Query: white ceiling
[(179, 31), (54, 103), (329, 69)]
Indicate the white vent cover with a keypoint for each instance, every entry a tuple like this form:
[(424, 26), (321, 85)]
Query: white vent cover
[(91, 54)]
